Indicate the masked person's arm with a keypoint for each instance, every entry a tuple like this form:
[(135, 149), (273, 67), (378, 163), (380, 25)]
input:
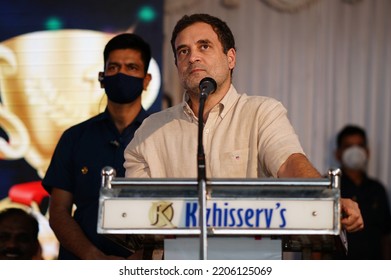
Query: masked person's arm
[(68, 232)]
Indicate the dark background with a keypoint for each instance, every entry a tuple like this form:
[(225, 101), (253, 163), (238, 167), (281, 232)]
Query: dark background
[(18, 17)]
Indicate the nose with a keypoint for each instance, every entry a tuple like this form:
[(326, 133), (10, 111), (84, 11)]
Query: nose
[(122, 69), (194, 57)]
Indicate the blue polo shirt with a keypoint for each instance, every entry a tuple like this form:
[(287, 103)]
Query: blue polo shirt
[(81, 153)]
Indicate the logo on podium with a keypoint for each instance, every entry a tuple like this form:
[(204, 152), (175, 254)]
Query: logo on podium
[(161, 214)]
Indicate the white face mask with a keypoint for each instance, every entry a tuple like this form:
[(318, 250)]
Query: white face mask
[(355, 158)]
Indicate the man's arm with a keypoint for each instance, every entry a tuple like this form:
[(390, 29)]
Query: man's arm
[(298, 166), (135, 165), (68, 232)]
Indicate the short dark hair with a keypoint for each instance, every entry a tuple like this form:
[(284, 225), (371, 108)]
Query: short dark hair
[(128, 41), (349, 130), (222, 30), (12, 212)]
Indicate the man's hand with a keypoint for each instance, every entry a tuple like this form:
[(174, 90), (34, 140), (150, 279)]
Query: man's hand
[(298, 166), (352, 220)]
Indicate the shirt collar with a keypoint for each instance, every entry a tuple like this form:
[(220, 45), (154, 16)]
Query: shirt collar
[(223, 106), (186, 108), (228, 101)]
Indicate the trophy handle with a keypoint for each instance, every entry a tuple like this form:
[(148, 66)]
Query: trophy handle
[(7, 56), (19, 140)]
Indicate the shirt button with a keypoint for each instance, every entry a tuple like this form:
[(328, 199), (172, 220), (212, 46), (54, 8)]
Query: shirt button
[(207, 131)]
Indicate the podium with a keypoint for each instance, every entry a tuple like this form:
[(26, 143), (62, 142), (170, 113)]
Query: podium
[(304, 214)]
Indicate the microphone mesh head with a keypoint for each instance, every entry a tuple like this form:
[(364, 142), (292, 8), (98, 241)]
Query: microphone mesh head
[(208, 85)]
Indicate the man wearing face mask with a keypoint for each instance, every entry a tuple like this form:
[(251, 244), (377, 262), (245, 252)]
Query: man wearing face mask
[(74, 174), (373, 242)]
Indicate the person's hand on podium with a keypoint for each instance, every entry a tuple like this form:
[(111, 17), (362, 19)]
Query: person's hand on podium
[(352, 219)]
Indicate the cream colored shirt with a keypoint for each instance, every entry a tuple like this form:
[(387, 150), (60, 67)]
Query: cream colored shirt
[(243, 137)]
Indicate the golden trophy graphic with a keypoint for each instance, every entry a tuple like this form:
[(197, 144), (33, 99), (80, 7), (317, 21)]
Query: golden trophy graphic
[(48, 82)]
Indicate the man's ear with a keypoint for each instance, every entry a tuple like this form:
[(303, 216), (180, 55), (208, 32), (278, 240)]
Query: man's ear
[(147, 79), (101, 76), (231, 54)]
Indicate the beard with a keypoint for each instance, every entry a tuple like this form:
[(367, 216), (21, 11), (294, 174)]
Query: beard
[(191, 80), (191, 83)]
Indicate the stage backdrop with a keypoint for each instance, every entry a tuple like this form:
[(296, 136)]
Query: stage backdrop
[(50, 56), (327, 61)]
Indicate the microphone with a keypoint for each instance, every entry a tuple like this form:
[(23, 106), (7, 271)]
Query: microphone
[(207, 86)]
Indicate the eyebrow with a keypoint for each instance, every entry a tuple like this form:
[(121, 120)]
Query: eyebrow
[(113, 63), (199, 42), (132, 64), (180, 47), (204, 41), (135, 64)]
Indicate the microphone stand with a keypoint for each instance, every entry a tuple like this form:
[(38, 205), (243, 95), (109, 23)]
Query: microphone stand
[(202, 180), (207, 86)]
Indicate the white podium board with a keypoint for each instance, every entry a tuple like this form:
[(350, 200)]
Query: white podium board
[(234, 207)]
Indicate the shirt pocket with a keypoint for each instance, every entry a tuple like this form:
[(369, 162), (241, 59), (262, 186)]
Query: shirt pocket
[(234, 164)]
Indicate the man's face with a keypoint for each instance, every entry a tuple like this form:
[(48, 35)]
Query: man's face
[(350, 141), (17, 240), (126, 61), (200, 54)]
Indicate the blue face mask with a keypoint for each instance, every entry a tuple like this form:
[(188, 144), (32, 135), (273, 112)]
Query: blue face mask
[(121, 88)]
